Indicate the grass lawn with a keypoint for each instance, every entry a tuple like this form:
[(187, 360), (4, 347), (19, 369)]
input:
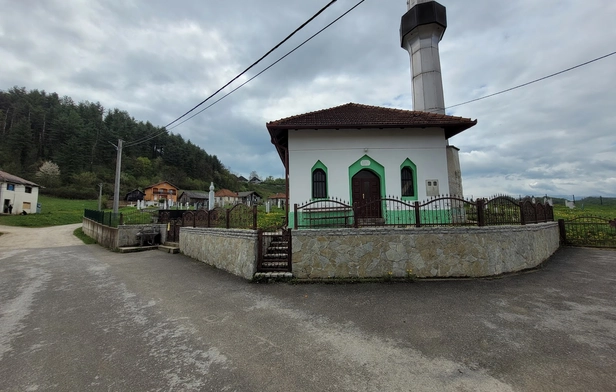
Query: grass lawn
[(54, 212), (605, 211)]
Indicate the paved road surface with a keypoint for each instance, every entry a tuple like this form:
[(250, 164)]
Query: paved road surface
[(77, 318)]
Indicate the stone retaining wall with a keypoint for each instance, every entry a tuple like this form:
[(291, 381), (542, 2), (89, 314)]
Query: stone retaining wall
[(114, 238), (234, 251), (424, 252), (104, 235)]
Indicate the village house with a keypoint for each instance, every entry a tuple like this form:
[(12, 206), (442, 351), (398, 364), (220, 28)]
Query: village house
[(18, 196), (278, 200), (159, 192), (196, 198), (225, 197), (134, 195), (249, 198)]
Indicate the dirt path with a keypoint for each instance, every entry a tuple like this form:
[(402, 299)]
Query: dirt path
[(14, 237)]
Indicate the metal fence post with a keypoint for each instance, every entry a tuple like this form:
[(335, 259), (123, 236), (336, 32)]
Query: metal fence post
[(417, 215), (254, 217), (228, 216), (295, 216), (563, 231), (480, 216)]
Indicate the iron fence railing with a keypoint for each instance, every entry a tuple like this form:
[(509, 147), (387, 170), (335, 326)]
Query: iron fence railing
[(588, 230), (239, 216), (437, 211)]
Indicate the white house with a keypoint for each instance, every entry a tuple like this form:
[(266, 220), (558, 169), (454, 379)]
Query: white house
[(17, 195), (356, 152)]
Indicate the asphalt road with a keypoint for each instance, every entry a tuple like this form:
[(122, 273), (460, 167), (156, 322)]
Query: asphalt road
[(81, 318)]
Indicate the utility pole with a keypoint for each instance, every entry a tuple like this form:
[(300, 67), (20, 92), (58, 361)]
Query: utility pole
[(116, 188)]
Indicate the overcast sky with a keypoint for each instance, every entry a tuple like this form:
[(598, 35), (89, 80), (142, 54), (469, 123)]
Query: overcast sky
[(156, 59)]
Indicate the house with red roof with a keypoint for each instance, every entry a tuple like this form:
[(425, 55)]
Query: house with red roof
[(357, 152), (224, 197)]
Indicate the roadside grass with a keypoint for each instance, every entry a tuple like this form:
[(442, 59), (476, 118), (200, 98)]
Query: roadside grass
[(54, 212), (78, 232)]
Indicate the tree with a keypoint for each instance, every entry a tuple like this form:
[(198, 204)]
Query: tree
[(48, 174)]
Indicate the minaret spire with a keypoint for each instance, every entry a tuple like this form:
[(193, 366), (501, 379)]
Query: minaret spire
[(421, 30)]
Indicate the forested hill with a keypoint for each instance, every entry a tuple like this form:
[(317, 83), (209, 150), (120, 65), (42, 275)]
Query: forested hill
[(40, 130)]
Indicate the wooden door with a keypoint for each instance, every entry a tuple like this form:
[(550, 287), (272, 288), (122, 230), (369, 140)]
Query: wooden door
[(366, 192)]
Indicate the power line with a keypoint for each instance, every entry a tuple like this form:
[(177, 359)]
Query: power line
[(533, 81), (270, 66), (256, 62), (243, 84)]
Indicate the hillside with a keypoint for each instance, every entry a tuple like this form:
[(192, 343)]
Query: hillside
[(68, 148)]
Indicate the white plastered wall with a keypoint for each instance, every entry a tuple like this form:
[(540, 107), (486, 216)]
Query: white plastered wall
[(339, 149), (18, 197)]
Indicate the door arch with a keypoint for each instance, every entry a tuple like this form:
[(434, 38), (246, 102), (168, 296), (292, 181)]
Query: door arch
[(366, 190)]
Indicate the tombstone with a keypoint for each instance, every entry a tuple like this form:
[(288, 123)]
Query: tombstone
[(267, 207), (211, 197)]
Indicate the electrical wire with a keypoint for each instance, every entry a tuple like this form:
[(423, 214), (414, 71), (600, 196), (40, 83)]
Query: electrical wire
[(532, 81), (243, 84), (270, 66)]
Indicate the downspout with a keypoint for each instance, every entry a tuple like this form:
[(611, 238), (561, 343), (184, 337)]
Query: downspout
[(286, 177)]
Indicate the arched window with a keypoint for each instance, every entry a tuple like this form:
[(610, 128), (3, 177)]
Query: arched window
[(319, 184), (408, 184)]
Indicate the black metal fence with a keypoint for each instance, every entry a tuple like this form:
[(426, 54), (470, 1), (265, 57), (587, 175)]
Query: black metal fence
[(438, 211), (105, 218), (239, 216), (588, 230)]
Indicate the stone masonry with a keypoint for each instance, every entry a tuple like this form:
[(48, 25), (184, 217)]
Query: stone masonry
[(423, 252), (232, 250)]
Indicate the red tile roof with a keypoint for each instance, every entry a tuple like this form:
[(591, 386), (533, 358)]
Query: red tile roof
[(225, 193), (356, 116), (353, 115), (278, 196)]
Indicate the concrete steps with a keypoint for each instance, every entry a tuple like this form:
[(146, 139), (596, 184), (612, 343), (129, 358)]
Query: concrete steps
[(167, 247), (170, 247)]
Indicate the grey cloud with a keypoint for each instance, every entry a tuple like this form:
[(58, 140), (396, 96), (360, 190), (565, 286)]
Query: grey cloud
[(156, 59)]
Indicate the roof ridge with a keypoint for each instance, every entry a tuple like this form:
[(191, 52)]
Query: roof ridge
[(416, 113), (311, 112)]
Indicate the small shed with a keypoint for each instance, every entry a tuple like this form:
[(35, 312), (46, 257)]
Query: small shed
[(249, 198), (134, 195), (194, 197)]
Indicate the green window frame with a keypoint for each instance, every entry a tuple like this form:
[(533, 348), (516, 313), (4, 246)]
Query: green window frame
[(408, 180), (318, 180)]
